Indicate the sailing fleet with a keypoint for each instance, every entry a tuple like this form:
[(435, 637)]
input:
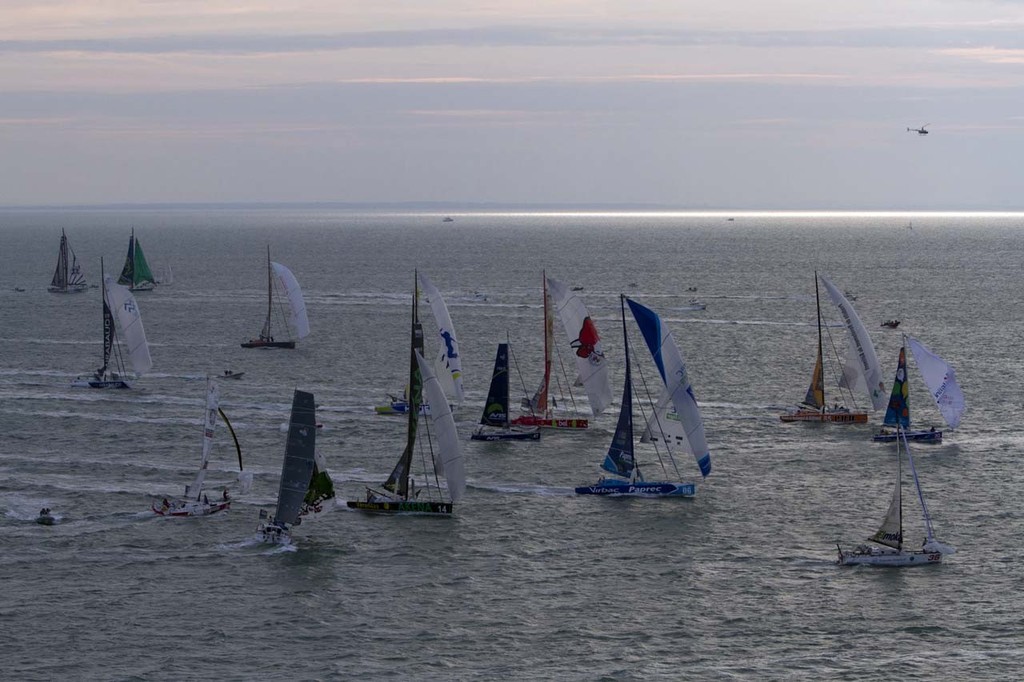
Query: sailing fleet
[(672, 421)]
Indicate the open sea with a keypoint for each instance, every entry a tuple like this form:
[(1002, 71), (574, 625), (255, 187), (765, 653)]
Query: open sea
[(527, 580)]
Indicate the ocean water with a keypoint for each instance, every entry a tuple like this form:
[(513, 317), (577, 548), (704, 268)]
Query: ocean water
[(527, 580)]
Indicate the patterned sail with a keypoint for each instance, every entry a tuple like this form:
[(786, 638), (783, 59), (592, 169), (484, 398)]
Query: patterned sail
[(298, 458), (898, 411), (129, 319), (864, 371), (212, 405), (496, 407), (815, 396), (585, 342), (449, 357), (448, 460), (297, 319), (940, 378), (67, 276), (672, 368)]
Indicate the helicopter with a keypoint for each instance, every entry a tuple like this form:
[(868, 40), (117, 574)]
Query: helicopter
[(921, 130)]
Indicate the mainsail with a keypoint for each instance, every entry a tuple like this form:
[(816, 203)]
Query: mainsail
[(68, 274), (496, 408), (136, 270), (621, 457), (123, 306), (898, 411), (890, 533), (398, 481), (585, 342), (298, 458), (448, 460), (672, 368), (449, 354), (862, 369), (212, 406), (940, 378), (297, 319)]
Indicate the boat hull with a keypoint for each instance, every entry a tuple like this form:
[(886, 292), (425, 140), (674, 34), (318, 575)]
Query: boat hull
[(551, 422), (191, 508), (920, 436), (70, 289), (260, 343), (401, 507), (492, 436), (829, 417), (400, 407), (45, 520), (639, 489), (100, 383), (888, 558), (272, 534)]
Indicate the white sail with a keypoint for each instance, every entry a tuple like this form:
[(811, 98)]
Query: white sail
[(590, 361), (890, 533), (664, 425), (864, 371), (126, 311), (940, 378), (448, 457), (449, 356), (297, 319), (212, 402)]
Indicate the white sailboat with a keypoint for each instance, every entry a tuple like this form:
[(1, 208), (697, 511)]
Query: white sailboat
[(621, 461), (399, 494), (294, 323), (888, 547), (123, 334), (861, 371), (67, 277), (195, 502), (447, 363), (296, 473)]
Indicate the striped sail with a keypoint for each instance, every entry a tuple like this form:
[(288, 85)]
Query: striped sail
[(585, 343), (672, 368), (449, 356), (448, 460), (297, 319), (862, 370), (126, 311), (940, 378)]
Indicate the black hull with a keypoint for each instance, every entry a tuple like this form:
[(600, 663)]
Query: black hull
[(533, 435), (399, 507), (268, 344)]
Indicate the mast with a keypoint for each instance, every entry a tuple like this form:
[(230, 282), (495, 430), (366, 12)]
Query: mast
[(60, 275), (398, 481), (548, 342), (270, 297), (108, 323), (820, 377), (899, 479)]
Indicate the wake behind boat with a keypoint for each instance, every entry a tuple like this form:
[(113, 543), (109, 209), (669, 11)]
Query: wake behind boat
[(293, 320), (620, 461)]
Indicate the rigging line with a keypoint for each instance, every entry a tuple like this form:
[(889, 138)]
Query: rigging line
[(665, 439), (839, 379), (565, 375), (428, 448), (519, 373)]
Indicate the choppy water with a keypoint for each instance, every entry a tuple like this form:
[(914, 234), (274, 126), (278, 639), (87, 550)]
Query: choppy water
[(527, 581)]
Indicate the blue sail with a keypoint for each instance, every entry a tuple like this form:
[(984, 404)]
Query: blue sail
[(898, 411), (670, 364), (620, 460)]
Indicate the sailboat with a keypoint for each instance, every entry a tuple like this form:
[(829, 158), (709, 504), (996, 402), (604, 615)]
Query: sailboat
[(448, 363), (136, 274), (296, 472), (119, 305), (321, 487), (67, 277), (590, 361), (297, 322), (621, 458), (494, 423), (399, 493), (861, 371), (888, 548), (940, 378), (195, 502)]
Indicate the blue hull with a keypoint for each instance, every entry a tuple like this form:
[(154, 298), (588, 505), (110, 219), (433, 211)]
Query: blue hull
[(640, 489), (919, 436)]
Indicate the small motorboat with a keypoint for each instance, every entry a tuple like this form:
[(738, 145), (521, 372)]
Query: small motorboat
[(19, 289), (891, 324), (448, 219), (46, 517), (229, 374)]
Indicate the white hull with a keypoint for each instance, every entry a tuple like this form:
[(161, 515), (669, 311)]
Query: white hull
[(876, 556), (191, 508), (272, 534)]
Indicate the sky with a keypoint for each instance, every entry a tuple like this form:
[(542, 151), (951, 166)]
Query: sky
[(686, 104)]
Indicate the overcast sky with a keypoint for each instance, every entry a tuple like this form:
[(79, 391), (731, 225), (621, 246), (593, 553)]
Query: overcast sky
[(788, 104)]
